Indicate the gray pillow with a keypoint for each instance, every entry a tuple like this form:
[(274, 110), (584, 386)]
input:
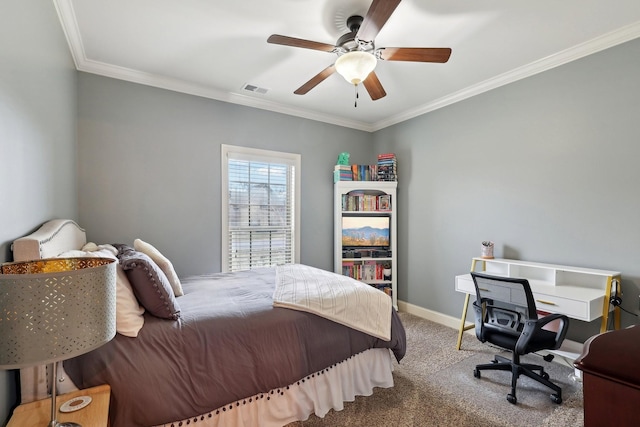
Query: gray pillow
[(149, 283)]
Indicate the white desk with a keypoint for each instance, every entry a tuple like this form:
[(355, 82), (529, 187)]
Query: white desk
[(580, 293)]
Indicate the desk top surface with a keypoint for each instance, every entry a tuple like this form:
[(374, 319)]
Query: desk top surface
[(551, 266)]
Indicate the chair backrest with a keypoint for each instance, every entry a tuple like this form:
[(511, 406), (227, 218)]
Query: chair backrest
[(505, 303)]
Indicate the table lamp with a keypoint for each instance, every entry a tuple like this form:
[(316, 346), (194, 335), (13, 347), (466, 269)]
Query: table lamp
[(55, 309)]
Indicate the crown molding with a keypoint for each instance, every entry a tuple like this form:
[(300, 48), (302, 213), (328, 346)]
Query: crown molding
[(82, 63), (177, 85)]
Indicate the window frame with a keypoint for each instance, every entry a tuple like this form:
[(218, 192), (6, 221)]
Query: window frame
[(265, 156)]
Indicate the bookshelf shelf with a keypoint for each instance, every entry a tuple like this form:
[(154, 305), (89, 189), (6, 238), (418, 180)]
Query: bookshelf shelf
[(372, 259)]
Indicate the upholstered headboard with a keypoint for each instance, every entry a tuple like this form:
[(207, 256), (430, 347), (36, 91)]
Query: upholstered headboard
[(51, 239)]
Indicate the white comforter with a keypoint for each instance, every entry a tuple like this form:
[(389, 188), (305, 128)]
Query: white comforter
[(335, 297)]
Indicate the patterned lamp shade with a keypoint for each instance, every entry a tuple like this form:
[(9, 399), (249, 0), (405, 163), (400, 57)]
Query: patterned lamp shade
[(55, 309)]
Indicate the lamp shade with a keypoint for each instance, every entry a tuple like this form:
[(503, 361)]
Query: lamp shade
[(355, 66), (55, 309)]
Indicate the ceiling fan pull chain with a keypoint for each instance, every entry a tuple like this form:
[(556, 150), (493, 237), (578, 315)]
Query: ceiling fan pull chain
[(355, 105)]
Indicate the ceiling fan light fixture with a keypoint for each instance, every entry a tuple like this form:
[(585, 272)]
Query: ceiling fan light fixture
[(355, 66)]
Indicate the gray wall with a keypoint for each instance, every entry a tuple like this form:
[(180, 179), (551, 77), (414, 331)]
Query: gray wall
[(546, 167), (150, 168), (37, 131)]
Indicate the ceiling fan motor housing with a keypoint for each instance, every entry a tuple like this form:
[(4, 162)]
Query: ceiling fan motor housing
[(354, 22), (348, 42)]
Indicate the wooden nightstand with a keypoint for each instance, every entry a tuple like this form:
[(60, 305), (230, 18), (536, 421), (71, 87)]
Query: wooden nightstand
[(38, 413)]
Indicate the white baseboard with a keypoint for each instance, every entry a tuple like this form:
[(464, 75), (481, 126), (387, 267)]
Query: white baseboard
[(569, 351), (427, 314)]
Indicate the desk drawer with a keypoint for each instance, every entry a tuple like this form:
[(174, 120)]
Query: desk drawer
[(554, 304), (464, 283)]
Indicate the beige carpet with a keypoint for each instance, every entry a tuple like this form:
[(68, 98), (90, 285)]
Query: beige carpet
[(435, 386)]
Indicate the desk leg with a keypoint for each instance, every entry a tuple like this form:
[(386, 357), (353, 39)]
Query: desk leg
[(605, 305), (463, 319), (605, 309)]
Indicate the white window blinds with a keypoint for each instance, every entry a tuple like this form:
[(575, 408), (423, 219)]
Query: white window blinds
[(260, 208)]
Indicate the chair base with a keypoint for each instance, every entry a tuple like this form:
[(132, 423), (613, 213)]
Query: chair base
[(501, 363)]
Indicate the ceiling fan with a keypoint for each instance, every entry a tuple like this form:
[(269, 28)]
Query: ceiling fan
[(357, 54)]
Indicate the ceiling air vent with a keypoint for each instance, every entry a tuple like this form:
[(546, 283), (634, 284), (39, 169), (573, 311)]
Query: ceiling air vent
[(256, 89)]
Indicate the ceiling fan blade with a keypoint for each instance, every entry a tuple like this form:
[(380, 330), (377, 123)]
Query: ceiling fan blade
[(416, 54), (377, 16), (306, 44), (374, 87), (316, 80)]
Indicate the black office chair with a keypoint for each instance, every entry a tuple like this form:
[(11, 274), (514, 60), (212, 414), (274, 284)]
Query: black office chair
[(506, 316)]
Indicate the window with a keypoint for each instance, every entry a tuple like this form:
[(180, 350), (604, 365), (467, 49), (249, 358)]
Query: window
[(260, 208)]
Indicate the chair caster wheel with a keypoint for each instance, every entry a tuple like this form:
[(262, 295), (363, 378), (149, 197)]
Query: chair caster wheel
[(544, 375), (555, 398), (476, 373), (512, 399)]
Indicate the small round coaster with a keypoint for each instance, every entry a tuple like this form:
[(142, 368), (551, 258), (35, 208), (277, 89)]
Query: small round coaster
[(75, 404)]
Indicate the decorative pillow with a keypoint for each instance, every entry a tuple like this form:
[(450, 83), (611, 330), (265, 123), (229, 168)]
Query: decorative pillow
[(122, 249), (149, 283), (162, 262), (129, 314)]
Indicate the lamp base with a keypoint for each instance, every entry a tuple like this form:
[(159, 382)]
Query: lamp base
[(54, 393)]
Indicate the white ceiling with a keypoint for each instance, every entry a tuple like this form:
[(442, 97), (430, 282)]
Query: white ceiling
[(213, 48)]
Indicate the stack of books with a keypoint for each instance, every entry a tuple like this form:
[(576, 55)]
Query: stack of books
[(342, 173), (387, 167)]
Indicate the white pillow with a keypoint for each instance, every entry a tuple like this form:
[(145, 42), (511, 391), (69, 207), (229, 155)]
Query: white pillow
[(129, 318), (162, 262), (129, 313), (92, 247)]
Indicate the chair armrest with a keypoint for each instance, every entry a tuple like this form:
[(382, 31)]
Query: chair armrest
[(478, 310), (533, 327)]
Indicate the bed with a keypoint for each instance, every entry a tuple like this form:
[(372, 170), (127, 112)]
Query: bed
[(226, 350)]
